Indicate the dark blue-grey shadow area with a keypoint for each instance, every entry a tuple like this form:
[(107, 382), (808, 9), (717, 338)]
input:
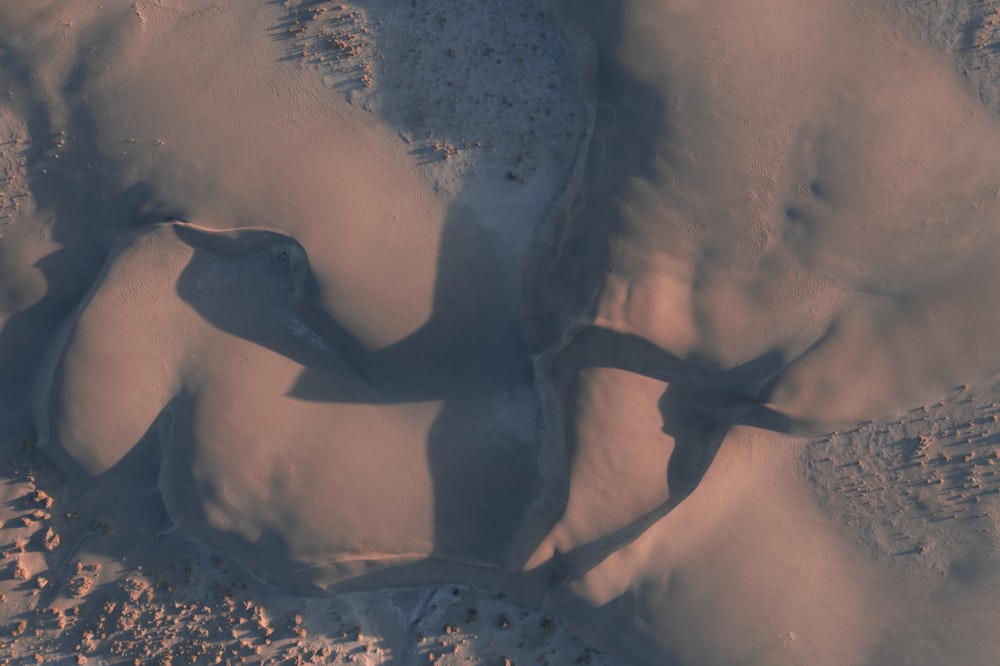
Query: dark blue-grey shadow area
[(702, 402), (632, 138), (87, 205), (475, 353), (478, 342), (470, 355)]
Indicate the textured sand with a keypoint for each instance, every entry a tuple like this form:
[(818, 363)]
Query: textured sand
[(495, 329)]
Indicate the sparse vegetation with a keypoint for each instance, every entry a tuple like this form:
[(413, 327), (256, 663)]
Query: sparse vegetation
[(935, 465)]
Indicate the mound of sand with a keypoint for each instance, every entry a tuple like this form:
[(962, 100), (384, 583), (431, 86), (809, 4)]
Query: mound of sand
[(771, 209), (192, 366), (539, 299)]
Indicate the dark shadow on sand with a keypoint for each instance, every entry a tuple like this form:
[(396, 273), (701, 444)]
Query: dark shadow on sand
[(475, 353), (701, 404), (470, 355), (87, 204)]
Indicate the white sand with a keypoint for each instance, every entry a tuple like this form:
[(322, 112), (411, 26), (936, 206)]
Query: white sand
[(468, 313)]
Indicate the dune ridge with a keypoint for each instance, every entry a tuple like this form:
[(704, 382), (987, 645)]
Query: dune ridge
[(295, 315)]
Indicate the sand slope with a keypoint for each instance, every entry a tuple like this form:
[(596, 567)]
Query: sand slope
[(193, 354), (769, 207), (545, 301)]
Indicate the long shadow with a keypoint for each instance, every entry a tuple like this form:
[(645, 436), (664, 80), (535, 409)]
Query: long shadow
[(83, 206), (632, 122), (633, 140), (701, 404), (86, 204), (469, 354), (470, 345)]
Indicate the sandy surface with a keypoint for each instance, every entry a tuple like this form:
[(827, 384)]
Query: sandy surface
[(558, 332)]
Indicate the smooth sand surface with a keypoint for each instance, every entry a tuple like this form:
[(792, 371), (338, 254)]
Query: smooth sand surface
[(491, 328)]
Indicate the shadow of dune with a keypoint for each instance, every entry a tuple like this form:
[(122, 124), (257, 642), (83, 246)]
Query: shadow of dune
[(86, 202), (700, 405), (469, 354), (472, 354), (566, 273), (470, 343), (633, 141)]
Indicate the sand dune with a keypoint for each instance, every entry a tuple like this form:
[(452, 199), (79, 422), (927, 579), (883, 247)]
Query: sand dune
[(192, 355), (723, 218), (436, 304)]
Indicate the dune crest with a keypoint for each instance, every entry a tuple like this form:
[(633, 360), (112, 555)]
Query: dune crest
[(801, 196), (190, 365), (547, 299)]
